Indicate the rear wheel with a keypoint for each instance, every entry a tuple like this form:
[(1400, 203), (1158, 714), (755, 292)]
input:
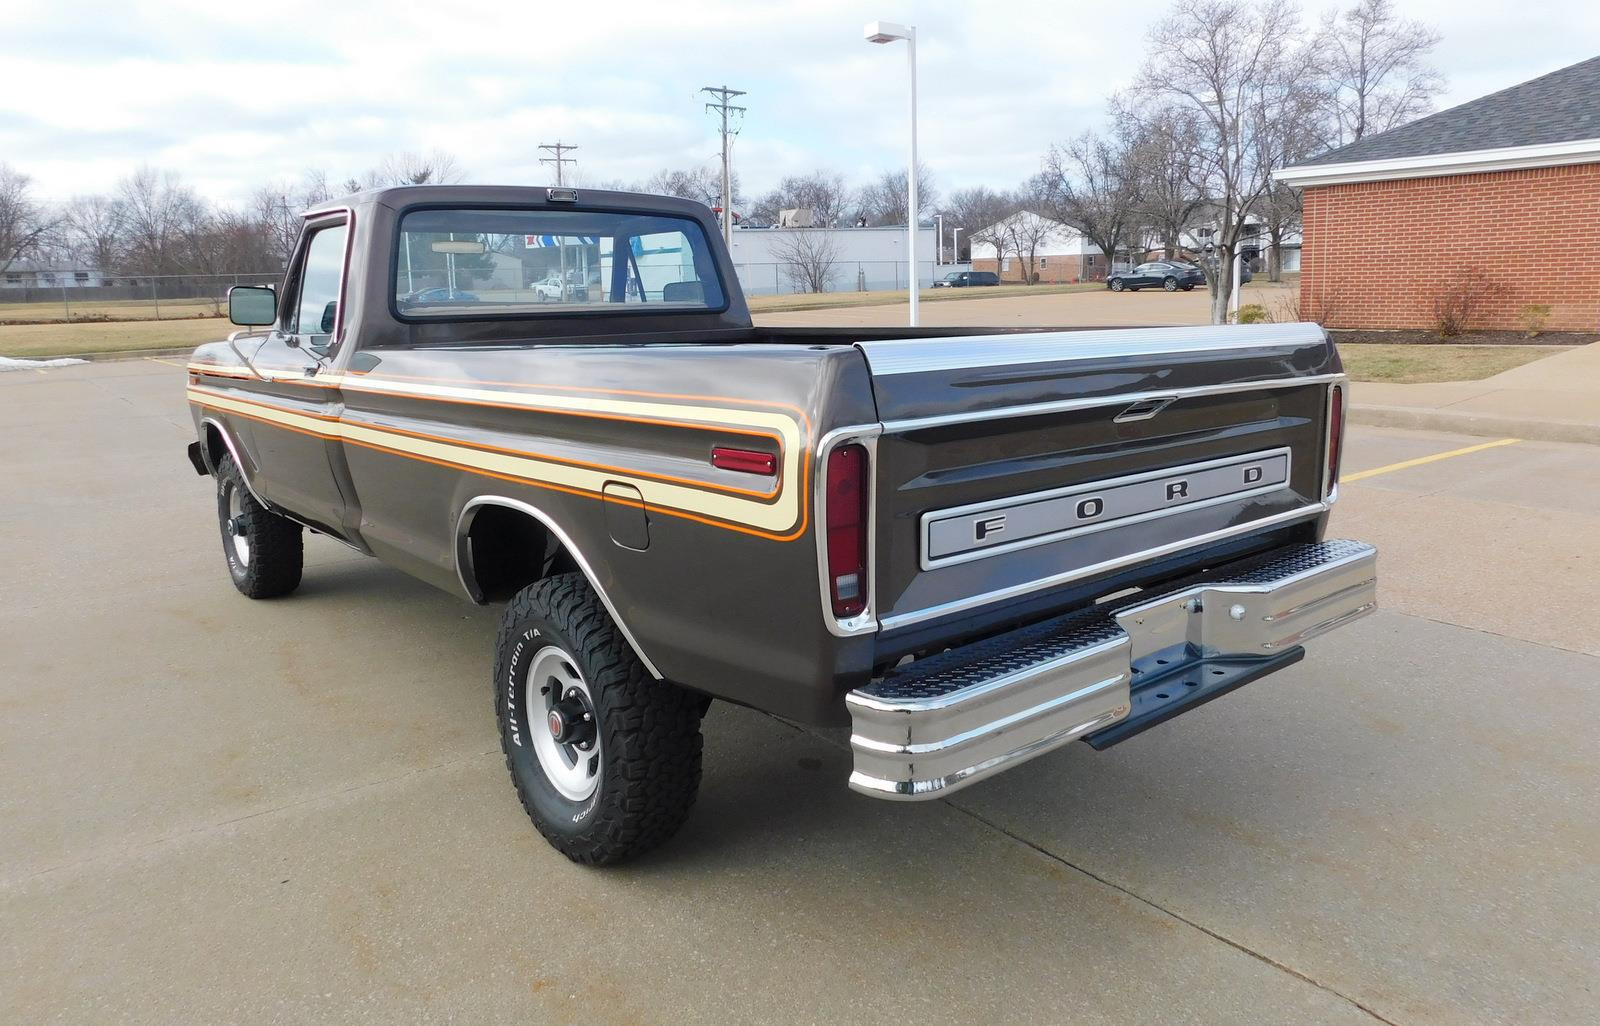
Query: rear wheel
[(265, 552), (605, 759), (1170, 284)]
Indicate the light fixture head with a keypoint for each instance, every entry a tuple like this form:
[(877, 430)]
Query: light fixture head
[(886, 31)]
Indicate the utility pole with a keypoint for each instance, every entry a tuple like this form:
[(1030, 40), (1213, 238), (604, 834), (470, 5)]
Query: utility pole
[(722, 95), (557, 149)]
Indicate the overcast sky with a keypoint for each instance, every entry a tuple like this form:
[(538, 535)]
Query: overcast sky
[(232, 95)]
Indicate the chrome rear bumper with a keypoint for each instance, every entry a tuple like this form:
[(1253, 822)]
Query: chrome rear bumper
[(1104, 673)]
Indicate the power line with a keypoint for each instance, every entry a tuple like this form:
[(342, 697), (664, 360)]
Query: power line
[(723, 108), (557, 149)]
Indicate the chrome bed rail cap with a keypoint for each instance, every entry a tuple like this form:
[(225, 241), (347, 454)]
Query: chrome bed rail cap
[(892, 356)]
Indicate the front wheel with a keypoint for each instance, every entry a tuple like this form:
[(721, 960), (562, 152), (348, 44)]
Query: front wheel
[(1170, 284), (1116, 285), (265, 552), (605, 759)]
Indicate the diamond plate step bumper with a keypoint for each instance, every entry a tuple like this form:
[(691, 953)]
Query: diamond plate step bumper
[(952, 719)]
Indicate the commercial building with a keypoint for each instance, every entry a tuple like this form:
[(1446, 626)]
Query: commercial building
[(1498, 198)]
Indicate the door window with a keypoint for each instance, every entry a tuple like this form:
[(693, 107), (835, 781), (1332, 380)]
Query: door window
[(320, 278)]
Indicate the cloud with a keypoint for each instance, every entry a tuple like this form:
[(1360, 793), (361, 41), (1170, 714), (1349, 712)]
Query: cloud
[(230, 96)]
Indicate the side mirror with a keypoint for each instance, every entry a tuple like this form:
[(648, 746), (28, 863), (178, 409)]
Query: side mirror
[(252, 306), (330, 314)]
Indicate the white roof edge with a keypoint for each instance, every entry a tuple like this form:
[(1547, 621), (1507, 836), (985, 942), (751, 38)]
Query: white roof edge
[(1433, 165)]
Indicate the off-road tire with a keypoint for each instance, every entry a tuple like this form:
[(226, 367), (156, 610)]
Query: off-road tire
[(276, 551), (648, 730)]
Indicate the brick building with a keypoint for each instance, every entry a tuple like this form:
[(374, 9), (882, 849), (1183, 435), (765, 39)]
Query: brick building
[(1504, 190), (1060, 252)]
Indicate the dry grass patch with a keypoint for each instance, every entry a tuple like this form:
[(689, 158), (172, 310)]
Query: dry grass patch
[(41, 340), (1407, 365)]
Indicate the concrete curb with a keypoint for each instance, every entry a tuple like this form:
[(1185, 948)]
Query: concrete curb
[(1426, 419)]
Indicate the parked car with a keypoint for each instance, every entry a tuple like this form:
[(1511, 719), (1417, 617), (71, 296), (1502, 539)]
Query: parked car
[(962, 279), (550, 290), (423, 297), (971, 548), (1166, 274)]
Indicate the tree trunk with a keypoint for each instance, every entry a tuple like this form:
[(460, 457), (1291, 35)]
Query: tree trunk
[(1221, 285), (1275, 254)]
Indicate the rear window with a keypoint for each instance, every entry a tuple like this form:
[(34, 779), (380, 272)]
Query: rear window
[(462, 262)]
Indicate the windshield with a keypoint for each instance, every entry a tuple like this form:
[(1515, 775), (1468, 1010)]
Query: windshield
[(474, 263)]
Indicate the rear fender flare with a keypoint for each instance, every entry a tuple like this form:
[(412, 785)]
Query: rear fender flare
[(463, 561)]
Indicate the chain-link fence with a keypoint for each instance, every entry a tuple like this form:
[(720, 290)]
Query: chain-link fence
[(95, 296)]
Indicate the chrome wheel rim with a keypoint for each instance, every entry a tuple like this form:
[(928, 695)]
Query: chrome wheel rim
[(234, 528), (554, 689)]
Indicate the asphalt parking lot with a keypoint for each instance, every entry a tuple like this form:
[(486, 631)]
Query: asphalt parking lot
[(213, 810)]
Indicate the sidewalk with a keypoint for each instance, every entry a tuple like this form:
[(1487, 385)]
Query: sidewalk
[(1554, 400)]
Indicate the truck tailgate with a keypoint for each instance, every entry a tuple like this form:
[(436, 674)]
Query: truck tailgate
[(1013, 464)]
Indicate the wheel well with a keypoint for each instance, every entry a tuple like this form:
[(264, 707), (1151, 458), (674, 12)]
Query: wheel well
[(215, 447), (504, 550)]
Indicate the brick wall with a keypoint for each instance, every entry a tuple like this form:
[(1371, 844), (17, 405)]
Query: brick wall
[(1056, 270), (1377, 253)]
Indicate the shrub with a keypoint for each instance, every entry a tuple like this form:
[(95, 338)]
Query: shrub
[(1534, 316), (1466, 291), (1254, 313)]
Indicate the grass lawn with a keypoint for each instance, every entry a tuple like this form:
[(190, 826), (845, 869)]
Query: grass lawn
[(40, 340), (1407, 365), (111, 309)]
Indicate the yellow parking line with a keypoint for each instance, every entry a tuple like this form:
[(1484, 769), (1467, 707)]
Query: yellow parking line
[(1420, 460)]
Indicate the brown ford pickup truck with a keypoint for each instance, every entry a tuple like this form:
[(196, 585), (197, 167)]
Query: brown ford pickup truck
[(970, 547)]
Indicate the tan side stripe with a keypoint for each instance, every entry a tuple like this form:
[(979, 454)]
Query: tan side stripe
[(767, 519)]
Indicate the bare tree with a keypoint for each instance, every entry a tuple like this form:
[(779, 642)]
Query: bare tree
[(883, 201), (25, 224), (92, 230), (974, 210), (702, 184), (824, 193), (1091, 184), (1230, 65), (276, 209), (436, 167), (1163, 141), (808, 256), (157, 207), (1377, 66)]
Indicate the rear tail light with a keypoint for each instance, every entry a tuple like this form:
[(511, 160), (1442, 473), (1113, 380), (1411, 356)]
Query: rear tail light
[(1335, 437), (846, 527)]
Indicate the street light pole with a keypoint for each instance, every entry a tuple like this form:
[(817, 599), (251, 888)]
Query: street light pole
[(938, 240), (955, 245), (888, 32)]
